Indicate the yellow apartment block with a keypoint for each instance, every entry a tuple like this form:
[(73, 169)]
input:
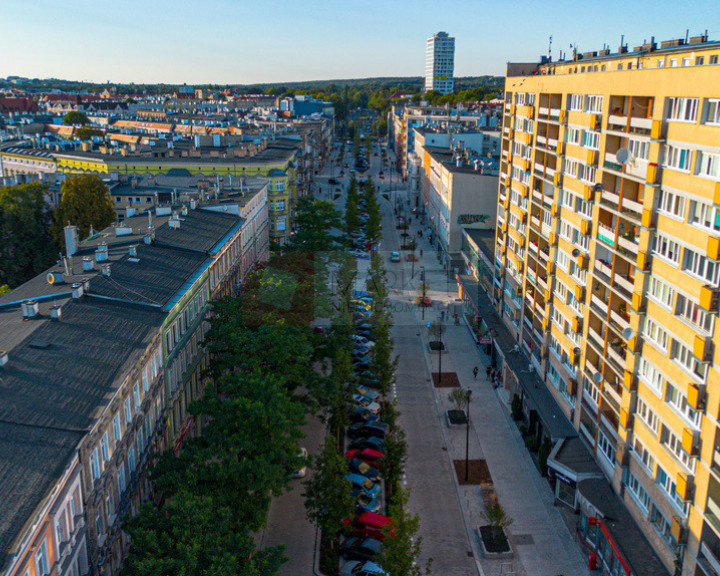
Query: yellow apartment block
[(608, 268)]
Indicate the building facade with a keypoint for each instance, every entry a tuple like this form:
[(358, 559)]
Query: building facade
[(607, 272), (440, 63)]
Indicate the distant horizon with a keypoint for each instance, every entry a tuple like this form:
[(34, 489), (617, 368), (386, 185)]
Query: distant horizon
[(236, 43)]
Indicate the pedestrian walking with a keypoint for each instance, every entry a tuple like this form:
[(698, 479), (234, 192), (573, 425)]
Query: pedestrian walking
[(475, 373), (487, 373), (421, 252)]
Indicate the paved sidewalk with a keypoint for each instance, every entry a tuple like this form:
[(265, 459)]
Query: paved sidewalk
[(542, 543)]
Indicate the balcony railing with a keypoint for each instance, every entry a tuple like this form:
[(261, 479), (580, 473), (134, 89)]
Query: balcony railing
[(632, 205), (619, 320), (542, 283), (623, 283), (606, 234), (599, 304), (629, 244), (610, 198)]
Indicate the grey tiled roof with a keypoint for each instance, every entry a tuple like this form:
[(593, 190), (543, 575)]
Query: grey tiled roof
[(200, 230)]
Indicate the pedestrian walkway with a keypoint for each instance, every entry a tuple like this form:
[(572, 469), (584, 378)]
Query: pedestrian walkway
[(543, 545)]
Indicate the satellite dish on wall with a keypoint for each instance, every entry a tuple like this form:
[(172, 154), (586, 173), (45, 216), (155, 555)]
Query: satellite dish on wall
[(623, 156), (576, 252), (597, 377), (628, 333)]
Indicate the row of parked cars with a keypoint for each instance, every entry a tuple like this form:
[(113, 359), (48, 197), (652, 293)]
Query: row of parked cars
[(365, 445)]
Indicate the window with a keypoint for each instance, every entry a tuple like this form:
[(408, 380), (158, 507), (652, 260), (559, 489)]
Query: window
[(667, 248), (42, 565), (705, 215), (684, 357), (639, 494), (563, 259), (678, 401), (576, 102), (701, 266), (587, 173), (116, 427), (99, 524), (685, 62), (690, 311), (682, 109), (663, 527), (653, 332), (639, 149), (592, 393), (677, 158), (591, 140), (671, 203), (136, 396), (128, 412), (131, 458), (661, 292), (279, 186), (661, 63), (105, 447), (674, 445), (709, 165), (145, 379), (593, 104), (571, 167), (651, 375), (121, 478), (699, 61), (94, 465), (606, 447), (644, 455), (714, 59), (574, 135), (712, 111), (647, 415), (60, 529)]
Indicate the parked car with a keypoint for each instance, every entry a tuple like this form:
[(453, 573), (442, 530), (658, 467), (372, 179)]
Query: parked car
[(359, 568), (379, 429), (362, 341), (364, 469), (365, 326), (361, 400), (362, 484), (395, 257), (355, 548), (368, 442), (366, 503), (302, 471), (361, 414), (369, 455), (368, 392), (360, 254), (370, 525)]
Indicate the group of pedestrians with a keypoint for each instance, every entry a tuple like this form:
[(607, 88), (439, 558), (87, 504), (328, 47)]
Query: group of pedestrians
[(492, 375)]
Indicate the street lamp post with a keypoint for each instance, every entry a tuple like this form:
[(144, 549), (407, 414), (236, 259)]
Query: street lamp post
[(440, 356), (422, 280), (467, 436)]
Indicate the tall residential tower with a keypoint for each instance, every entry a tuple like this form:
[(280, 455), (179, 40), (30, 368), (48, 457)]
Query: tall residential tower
[(608, 274), (440, 63)]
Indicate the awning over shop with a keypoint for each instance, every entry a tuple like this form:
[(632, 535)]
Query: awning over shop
[(571, 459)]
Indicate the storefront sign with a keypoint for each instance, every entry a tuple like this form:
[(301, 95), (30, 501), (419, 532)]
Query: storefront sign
[(485, 340)]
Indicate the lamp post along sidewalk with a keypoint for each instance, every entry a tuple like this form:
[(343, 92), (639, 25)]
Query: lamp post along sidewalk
[(467, 436)]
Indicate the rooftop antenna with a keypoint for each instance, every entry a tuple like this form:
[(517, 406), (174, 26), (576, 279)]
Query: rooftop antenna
[(550, 49)]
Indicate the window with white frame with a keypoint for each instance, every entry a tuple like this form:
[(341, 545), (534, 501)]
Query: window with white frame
[(592, 392), (712, 111), (606, 447), (563, 259), (561, 290), (671, 203), (661, 292), (546, 218), (105, 447), (638, 492), (591, 139), (690, 311), (574, 135), (136, 396), (647, 415), (122, 481), (587, 173), (651, 375), (674, 445), (684, 357), (571, 167), (576, 102), (682, 109), (701, 266), (667, 248), (567, 199), (42, 563), (581, 241), (94, 465), (131, 458), (678, 401), (639, 149), (677, 158), (593, 103), (709, 165), (705, 215), (128, 412), (558, 318), (644, 455), (656, 334), (583, 207), (566, 230)]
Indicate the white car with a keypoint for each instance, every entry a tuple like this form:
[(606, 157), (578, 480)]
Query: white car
[(302, 471)]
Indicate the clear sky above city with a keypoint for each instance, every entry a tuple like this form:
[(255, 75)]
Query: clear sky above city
[(245, 42)]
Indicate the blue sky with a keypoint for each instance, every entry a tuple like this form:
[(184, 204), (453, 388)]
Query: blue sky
[(244, 42)]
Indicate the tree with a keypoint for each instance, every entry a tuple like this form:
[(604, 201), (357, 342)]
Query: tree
[(75, 117), (497, 518), (84, 202), (25, 247), (314, 220), (459, 397), (402, 545), (85, 133), (328, 497), (394, 462)]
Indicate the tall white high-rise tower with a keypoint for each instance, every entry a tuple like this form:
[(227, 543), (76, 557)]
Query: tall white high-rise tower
[(440, 63)]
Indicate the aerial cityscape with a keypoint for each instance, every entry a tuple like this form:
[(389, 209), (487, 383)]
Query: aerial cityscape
[(278, 300)]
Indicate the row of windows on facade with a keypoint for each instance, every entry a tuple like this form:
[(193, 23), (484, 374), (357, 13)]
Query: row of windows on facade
[(192, 310), (639, 64)]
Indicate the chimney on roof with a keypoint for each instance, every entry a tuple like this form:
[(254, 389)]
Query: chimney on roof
[(29, 309), (87, 263), (56, 313), (71, 239), (101, 254), (105, 270), (132, 251), (55, 278), (3, 358)]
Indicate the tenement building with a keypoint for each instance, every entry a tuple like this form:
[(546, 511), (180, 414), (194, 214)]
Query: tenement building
[(607, 274)]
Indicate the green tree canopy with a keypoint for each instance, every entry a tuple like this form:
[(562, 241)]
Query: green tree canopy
[(84, 202), (26, 248), (75, 117)]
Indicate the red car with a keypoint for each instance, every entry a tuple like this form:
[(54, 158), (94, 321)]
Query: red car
[(370, 525), (372, 457)]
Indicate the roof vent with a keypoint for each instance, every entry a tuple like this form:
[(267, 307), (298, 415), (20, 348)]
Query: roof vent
[(39, 344), (123, 230), (3, 358), (77, 291), (29, 309), (87, 263), (184, 211), (132, 250), (55, 278), (174, 224), (105, 269), (101, 254), (86, 286), (56, 312)]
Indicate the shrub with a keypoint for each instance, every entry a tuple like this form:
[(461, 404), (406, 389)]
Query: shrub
[(531, 443), (516, 408)]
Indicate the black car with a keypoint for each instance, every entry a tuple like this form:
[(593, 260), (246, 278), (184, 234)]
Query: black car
[(358, 548), (362, 414), (376, 428), (360, 467), (368, 442)]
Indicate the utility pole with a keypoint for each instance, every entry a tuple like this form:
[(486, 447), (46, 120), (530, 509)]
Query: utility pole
[(422, 280), (467, 436)]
